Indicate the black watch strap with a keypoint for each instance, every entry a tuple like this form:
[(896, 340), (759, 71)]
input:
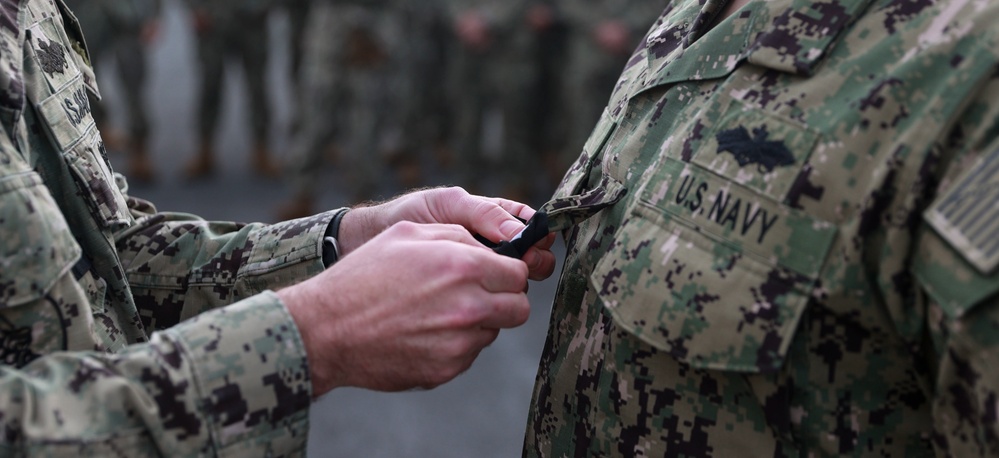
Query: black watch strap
[(331, 248)]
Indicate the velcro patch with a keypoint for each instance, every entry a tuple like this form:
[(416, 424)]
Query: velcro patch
[(967, 216)]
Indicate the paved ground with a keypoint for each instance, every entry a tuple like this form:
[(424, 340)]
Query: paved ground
[(480, 414)]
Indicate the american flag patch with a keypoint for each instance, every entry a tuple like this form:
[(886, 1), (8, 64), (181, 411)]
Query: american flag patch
[(967, 216)]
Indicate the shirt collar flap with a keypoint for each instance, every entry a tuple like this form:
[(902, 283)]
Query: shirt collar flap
[(796, 37)]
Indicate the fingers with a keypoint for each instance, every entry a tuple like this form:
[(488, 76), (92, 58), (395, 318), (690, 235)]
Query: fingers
[(500, 274), (432, 232), (506, 310), (472, 259), (456, 354), (517, 209), (540, 263)]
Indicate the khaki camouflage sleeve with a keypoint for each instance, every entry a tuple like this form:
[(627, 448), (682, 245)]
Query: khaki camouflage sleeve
[(956, 264), (179, 265)]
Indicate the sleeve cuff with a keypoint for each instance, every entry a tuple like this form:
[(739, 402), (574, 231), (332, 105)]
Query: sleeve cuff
[(284, 254), (252, 377)]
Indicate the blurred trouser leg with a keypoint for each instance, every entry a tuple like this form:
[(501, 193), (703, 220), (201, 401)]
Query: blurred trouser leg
[(131, 60), (470, 102), (211, 47), (252, 38), (320, 114)]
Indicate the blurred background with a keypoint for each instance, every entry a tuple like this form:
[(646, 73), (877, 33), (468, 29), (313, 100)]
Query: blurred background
[(264, 110)]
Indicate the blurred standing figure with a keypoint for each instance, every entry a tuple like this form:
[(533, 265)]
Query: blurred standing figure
[(238, 29), (533, 59), (481, 29), (122, 29), (298, 14), (601, 35), (346, 84), (421, 96)]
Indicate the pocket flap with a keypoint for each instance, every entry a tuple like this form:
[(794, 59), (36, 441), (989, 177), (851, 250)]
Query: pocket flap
[(722, 288), (37, 247)]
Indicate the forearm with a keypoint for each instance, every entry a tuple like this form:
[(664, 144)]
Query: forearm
[(176, 260)]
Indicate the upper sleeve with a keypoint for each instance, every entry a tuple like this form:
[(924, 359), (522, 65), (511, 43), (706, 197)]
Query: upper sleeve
[(955, 266)]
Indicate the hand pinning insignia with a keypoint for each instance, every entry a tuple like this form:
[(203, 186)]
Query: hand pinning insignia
[(51, 56), (754, 150)]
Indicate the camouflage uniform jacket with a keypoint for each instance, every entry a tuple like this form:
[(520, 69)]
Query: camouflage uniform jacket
[(803, 262), (87, 274)]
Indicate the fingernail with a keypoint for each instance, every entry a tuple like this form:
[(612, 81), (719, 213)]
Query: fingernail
[(510, 228), (532, 258)]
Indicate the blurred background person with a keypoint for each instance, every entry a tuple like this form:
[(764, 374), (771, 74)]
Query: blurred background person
[(347, 100), (482, 31), (298, 14), (529, 89), (238, 29), (121, 30), (422, 60), (601, 36)]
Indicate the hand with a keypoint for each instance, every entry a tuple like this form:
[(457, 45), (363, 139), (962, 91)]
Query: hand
[(411, 308), (540, 17), (473, 31), (489, 217), (612, 36)]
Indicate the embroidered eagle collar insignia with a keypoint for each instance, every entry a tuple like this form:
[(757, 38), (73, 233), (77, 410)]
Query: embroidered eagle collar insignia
[(51, 56)]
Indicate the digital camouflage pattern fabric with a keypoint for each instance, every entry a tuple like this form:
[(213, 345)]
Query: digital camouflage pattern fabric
[(87, 274), (803, 259)]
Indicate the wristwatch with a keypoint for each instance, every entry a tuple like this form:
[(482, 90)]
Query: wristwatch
[(331, 248)]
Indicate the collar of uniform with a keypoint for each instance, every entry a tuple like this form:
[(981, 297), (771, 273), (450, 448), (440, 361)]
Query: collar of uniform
[(790, 36), (81, 54), (37, 11)]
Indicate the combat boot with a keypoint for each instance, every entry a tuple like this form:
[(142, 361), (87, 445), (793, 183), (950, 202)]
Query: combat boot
[(140, 166), (262, 164), (201, 165), (300, 206)]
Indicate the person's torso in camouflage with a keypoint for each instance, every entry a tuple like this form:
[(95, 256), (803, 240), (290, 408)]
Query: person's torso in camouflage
[(87, 274), (770, 283)]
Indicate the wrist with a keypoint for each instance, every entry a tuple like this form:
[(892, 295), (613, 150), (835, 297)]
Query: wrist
[(331, 245), (302, 306), (357, 226)]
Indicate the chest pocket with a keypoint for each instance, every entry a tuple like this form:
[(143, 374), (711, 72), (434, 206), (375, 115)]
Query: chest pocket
[(63, 105), (712, 267)]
